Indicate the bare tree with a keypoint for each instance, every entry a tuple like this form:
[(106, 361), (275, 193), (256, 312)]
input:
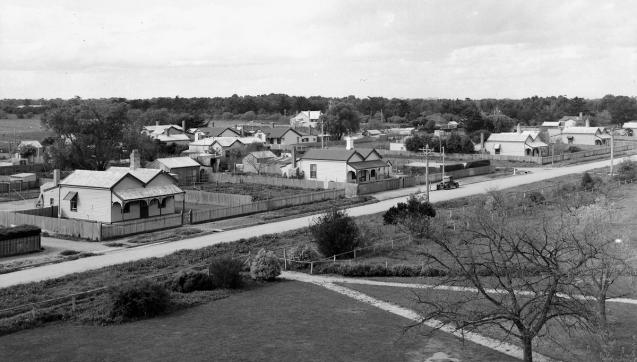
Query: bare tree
[(609, 249), (521, 273)]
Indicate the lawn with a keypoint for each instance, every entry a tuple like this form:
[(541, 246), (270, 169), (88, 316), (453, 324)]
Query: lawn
[(561, 345), (284, 321), (12, 130)]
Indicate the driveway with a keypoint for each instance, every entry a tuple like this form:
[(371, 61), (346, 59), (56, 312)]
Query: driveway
[(158, 250)]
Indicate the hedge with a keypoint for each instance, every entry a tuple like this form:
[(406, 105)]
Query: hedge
[(478, 163), (19, 231)]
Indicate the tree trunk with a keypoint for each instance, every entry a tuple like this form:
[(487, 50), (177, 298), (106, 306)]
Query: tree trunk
[(527, 343), (601, 310)]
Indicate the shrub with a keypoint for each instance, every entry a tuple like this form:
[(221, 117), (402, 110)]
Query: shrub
[(265, 266), (225, 272), (69, 252), (535, 197), (7, 233), (335, 232), (587, 181), (139, 300), (302, 253), (190, 281), (626, 171)]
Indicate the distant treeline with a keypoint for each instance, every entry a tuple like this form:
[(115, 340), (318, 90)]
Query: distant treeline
[(478, 114)]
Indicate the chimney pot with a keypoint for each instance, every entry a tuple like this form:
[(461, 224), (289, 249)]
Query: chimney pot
[(156, 123), (349, 143)]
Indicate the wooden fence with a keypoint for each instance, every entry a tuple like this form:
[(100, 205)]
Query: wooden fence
[(214, 198), (21, 245), (46, 219), (273, 181), (198, 216), (110, 231), (542, 160), (10, 170)]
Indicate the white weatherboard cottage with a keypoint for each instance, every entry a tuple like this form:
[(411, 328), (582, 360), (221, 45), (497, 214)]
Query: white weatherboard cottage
[(344, 165), (521, 143), (117, 194)]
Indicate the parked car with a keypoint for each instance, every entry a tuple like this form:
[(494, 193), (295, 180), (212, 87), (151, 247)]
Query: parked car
[(447, 183)]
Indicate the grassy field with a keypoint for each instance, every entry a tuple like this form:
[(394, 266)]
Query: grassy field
[(560, 344), (12, 130), (284, 321)]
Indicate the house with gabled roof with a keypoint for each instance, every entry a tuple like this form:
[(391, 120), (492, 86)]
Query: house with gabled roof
[(520, 143), (167, 133), (117, 194), (306, 119), (28, 152), (584, 136), (284, 137), (344, 165), (217, 132)]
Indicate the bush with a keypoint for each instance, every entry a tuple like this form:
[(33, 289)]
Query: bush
[(335, 232), (303, 253), (378, 270), (143, 299), (535, 198), (626, 171), (7, 233), (225, 272), (191, 281), (587, 181), (68, 252), (265, 266)]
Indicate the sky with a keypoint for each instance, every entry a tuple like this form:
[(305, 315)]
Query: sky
[(334, 48)]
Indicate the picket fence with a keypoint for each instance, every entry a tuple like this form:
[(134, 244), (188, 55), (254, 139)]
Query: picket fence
[(111, 231)]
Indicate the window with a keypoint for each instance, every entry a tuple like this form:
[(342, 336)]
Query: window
[(313, 170), (162, 204), (126, 209), (74, 203), (570, 139), (51, 201)]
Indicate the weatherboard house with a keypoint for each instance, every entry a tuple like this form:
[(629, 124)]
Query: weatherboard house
[(344, 165), (520, 143), (117, 194)]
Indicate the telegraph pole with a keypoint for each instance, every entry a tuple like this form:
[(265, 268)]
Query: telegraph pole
[(426, 151), (612, 149), (443, 162)]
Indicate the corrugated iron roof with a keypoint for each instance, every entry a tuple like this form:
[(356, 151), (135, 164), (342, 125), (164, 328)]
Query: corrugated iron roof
[(147, 192), (33, 143), (143, 174), (580, 130), (177, 162), (334, 154), (368, 164), (509, 137), (98, 179)]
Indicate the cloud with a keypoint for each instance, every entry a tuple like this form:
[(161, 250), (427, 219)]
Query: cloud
[(403, 48)]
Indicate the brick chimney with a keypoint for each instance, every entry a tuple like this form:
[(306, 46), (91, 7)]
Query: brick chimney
[(183, 125), (519, 129), (588, 122), (56, 177), (196, 136), (135, 160), (156, 123), (580, 116)]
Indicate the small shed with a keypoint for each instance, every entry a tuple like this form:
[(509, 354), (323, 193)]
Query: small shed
[(185, 169), (24, 178)]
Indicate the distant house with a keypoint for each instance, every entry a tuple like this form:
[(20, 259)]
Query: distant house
[(116, 194), (184, 169), (632, 126), (217, 132), (306, 119), (283, 137), (167, 134), (29, 153), (344, 165), (584, 136), (522, 143), (256, 161), (373, 133)]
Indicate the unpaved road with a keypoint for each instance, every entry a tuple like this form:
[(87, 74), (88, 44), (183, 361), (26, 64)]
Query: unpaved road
[(158, 250)]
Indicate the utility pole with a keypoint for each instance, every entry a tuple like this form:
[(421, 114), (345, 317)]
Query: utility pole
[(322, 133), (426, 151), (443, 162), (612, 149), (552, 153)]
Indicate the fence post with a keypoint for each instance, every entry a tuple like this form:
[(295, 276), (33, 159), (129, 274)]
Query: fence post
[(73, 305), (334, 258), (285, 260), (354, 253), (33, 311), (311, 267), (392, 243)]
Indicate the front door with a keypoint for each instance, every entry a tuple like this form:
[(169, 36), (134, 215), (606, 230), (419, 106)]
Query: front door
[(143, 209)]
